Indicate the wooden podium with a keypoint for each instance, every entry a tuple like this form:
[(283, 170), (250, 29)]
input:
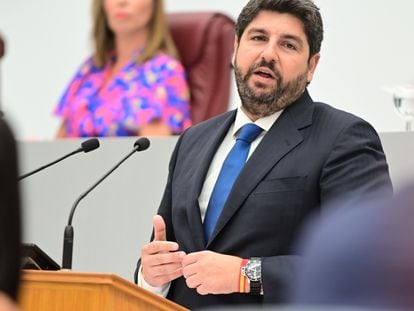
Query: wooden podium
[(68, 290)]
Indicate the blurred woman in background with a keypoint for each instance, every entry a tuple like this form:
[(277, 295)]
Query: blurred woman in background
[(10, 221), (134, 83)]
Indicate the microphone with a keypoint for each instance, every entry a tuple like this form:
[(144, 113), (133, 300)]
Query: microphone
[(140, 144), (86, 146)]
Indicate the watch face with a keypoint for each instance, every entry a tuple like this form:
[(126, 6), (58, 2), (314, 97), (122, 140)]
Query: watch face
[(254, 270)]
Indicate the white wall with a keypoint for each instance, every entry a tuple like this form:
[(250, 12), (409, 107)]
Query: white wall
[(367, 47)]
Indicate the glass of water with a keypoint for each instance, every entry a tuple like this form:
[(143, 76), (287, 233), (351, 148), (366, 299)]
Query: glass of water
[(404, 105)]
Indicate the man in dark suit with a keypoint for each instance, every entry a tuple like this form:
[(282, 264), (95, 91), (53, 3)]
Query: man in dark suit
[(306, 155)]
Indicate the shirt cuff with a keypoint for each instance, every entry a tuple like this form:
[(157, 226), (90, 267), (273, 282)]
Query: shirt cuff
[(160, 291)]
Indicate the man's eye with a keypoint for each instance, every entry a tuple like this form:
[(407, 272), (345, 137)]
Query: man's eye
[(258, 38), (289, 46)]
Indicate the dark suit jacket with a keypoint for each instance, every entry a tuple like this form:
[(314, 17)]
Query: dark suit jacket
[(312, 154)]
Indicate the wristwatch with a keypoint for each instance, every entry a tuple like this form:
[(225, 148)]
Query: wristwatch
[(253, 272)]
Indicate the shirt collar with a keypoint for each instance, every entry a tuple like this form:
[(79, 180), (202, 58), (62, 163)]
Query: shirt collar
[(265, 123)]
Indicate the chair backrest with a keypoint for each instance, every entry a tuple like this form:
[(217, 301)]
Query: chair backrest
[(205, 43), (1, 47)]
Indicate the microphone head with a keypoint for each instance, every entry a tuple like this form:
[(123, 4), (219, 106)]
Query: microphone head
[(90, 144), (142, 144)]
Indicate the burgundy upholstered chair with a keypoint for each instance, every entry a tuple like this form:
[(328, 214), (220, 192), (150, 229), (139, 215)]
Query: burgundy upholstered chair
[(1, 47), (205, 43)]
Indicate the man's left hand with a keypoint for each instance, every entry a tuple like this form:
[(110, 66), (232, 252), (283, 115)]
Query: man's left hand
[(212, 273)]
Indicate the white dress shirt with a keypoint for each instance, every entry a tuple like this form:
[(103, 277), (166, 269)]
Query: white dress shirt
[(214, 170)]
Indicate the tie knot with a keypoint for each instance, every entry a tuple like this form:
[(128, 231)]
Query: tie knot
[(249, 132)]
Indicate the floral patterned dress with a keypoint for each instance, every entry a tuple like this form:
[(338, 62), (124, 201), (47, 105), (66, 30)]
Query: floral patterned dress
[(135, 96)]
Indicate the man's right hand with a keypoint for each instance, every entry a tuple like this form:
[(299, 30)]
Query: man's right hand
[(160, 259)]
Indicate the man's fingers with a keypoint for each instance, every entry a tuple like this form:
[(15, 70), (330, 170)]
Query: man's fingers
[(157, 247), (192, 258), (159, 228), (164, 259), (165, 270), (161, 280)]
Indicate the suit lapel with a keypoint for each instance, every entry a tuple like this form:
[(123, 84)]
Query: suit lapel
[(207, 149), (283, 136)]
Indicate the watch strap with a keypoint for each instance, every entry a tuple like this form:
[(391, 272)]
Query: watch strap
[(255, 287)]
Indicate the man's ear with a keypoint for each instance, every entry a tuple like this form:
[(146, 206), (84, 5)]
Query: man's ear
[(235, 47), (313, 63)]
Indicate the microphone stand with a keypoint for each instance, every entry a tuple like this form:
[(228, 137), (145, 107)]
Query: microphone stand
[(68, 234), (47, 165), (87, 146)]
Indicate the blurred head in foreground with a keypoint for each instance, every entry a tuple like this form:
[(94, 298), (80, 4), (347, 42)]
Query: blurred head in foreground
[(363, 256)]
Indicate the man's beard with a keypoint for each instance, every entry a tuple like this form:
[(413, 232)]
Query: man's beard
[(277, 98)]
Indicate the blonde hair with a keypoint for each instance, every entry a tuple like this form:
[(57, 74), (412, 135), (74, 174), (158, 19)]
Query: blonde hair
[(159, 37)]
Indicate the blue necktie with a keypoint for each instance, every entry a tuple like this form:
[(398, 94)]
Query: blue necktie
[(231, 168)]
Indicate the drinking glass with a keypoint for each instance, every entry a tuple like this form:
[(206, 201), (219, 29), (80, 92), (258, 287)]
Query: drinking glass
[(404, 105)]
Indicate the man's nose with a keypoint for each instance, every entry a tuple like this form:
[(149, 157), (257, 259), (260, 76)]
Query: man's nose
[(269, 53)]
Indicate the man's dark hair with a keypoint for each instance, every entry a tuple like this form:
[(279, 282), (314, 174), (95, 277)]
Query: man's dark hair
[(304, 10)]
